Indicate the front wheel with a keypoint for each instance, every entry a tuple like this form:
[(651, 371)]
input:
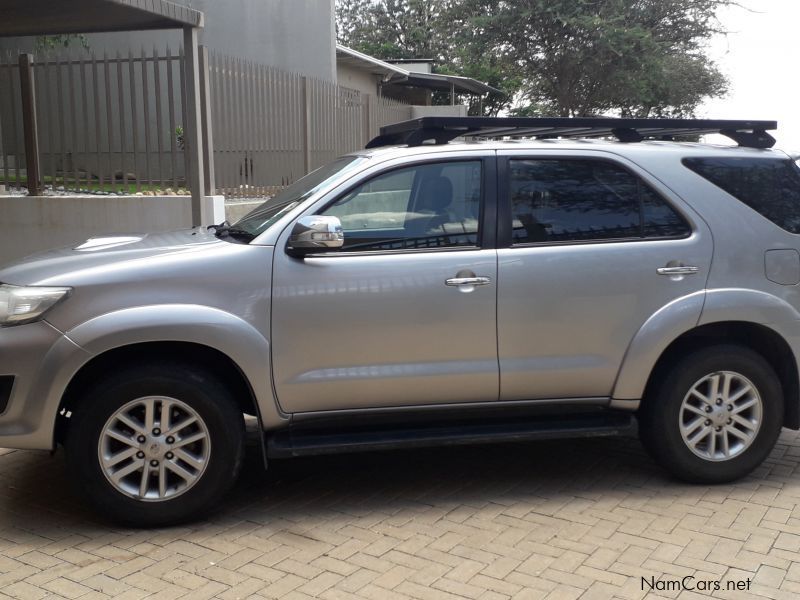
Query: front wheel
[(714, 416), (156, 444)]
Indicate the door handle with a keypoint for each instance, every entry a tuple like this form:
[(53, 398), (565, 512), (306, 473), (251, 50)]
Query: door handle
[(459, 281), (679, 270)]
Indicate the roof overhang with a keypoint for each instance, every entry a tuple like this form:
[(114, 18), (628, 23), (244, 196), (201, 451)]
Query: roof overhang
[(444, 83), (56, 17), (394, 74), (365, 62)]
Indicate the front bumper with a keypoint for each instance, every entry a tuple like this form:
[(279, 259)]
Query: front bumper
[(40, 359)]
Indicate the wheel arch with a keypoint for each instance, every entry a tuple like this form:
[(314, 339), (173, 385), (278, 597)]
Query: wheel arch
[(760, 338), (192, 353), (220, 340)]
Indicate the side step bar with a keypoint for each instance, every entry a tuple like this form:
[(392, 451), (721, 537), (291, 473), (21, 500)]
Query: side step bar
[(295, 442)]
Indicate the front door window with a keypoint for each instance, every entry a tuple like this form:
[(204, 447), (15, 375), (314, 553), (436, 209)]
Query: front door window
[(432, 205)]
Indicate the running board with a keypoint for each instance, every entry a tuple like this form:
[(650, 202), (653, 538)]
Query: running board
[(295, 442)]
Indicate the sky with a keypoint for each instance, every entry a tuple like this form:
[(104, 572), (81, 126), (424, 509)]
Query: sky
[(759, 56)]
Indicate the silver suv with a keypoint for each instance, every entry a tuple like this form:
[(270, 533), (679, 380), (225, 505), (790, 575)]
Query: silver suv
[(424, 292)]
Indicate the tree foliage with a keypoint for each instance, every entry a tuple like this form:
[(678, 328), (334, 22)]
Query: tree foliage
[(51, 42), (555, 57)]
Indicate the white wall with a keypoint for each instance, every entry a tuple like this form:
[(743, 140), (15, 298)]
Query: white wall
[(32, 224), (357, 79), (459, 110)]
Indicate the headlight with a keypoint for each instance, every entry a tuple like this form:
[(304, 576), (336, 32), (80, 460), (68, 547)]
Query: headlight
[(20, 304)]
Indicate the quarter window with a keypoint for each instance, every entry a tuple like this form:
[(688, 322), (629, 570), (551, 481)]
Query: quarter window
[(433, 205), (770, 186), (556, 200)]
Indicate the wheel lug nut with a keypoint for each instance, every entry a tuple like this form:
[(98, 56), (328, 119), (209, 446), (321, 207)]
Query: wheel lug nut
[(708, 421), (170, 456), (730, 406), (730, 421), (140, 454), (170, 440), (708, 409), (156, 431), (719, 428), (719, 401), (141, 439), (153, 463)]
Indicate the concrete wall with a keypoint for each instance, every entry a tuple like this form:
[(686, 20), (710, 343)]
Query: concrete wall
[(293, 35), (357, 79), (35, 224), (459, 110)]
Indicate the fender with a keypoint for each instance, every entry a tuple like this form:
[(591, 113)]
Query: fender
[(686, 313), (212, 327), (753, 306), (654, 336)]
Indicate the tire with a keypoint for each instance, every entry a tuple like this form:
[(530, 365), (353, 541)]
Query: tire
[(698, 454), (189, 468)]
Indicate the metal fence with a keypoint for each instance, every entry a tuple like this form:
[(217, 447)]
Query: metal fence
[(270, 127), (105, 123), (115, 123)]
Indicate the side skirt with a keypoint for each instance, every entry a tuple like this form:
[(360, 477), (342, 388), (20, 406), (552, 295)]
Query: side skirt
[(337, 438)]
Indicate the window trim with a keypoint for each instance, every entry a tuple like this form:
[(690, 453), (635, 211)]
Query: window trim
[(487, 218), (505, 218)]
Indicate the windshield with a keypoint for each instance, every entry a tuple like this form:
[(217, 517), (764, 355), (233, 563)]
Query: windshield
[(259, 220)]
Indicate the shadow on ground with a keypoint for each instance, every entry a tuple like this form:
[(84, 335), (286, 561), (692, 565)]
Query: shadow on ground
[(36, 488)]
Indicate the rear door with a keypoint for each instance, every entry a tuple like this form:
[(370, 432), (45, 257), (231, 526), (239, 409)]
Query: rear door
[(589, 248)]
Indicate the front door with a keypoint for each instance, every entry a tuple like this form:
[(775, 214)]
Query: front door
[(587, 241), (404, 313)]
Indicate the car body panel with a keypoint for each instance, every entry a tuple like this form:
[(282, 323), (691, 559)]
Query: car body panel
[(363, 331)]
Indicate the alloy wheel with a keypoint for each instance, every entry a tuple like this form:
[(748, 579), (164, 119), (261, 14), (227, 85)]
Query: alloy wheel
[(154, 448), (720, 416)]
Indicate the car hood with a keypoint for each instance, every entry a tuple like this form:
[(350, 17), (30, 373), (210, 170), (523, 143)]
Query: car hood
[(54, 267)]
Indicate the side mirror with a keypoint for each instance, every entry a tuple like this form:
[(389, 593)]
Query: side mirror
[(314, 234)]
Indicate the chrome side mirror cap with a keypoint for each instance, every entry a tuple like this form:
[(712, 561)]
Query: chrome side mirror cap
[(316, 233)]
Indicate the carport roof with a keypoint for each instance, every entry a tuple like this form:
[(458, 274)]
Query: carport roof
[(394, 74), (55, 17)]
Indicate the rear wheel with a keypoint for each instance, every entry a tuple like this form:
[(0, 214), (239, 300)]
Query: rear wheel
[(156, 444), (715, 415)]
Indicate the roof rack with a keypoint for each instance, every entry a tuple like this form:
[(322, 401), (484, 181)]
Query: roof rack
[(440, 130)]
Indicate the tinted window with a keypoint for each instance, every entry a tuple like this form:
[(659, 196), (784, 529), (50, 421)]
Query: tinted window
[(424, 206), (770, 186), (579, 200)]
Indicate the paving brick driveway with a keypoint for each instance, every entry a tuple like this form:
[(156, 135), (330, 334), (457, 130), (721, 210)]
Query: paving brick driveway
[(562, 519)]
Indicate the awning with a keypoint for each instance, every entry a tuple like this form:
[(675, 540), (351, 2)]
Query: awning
[(394, 74), (56, 17), (443, 83)]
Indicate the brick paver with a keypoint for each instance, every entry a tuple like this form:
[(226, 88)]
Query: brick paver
[(566, 519)]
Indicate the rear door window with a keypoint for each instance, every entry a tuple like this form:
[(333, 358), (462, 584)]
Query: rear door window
[(573, 200), (770, 185)]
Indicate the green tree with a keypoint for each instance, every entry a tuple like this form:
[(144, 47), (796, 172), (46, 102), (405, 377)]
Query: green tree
[(553, 57), (392, 28), (51, 42), (452, 32), (629, 57)]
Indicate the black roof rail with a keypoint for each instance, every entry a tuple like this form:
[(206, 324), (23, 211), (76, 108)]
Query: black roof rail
[(440, 130)]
